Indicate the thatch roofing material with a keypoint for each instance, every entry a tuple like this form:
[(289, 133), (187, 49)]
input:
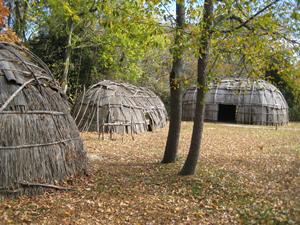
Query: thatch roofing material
[(39, 141), (258, 102), (110, 102)]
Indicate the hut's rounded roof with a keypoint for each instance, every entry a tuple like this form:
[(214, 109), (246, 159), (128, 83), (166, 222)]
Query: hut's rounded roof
[(252, 96), (39, 139), (235, 89), (116, 102)]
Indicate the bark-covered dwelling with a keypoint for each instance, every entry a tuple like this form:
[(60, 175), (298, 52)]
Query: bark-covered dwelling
[(243, 101), (119, 107), (39, 140)]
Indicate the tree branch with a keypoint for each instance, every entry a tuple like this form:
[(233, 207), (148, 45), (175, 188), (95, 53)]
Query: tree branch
[(44, 185), (214, 63), (238, 5), (256, 14), (91, 10), (242, 22), (220, 19), (168, 12), (283, 37)]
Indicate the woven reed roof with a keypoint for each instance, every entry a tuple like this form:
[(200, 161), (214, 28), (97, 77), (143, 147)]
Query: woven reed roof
[(39, 140), (110, 102), (257, 101)]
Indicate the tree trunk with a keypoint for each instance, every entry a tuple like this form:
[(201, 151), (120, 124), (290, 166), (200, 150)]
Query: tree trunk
[(17, 22), (190, 164), (64, 79), (25, 8), (171, 149), (9, 18), (20, 18)]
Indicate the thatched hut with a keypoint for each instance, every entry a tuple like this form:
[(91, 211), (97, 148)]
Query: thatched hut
[(243, 101), (120, 108), (39, 141)]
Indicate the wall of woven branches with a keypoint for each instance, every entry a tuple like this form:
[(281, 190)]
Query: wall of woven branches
[(242, 101), (108, 105), (39, 140)]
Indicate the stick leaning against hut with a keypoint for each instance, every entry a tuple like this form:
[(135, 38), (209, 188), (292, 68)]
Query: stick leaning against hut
[(39, 140)]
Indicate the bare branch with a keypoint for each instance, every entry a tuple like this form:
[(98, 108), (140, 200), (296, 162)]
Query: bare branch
[(241, 21), (233, 17), (238, 5), (168, 12), (44, 185), (256, 14), (220, 19)]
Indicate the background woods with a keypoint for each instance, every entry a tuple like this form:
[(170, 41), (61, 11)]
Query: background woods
[(84, 42)]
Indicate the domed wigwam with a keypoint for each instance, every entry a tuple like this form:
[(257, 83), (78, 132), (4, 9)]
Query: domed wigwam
[(119, 107), (39, 140), (243, 101)]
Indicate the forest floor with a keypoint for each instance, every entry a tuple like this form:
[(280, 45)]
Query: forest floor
[(244, 176)]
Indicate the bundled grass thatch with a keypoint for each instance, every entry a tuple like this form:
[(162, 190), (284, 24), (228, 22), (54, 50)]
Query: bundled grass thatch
[(119, 107), (242, 101), (39, 140)]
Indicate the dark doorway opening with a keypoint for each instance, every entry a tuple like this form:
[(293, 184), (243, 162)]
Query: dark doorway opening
[(227, 113), (149, 122)]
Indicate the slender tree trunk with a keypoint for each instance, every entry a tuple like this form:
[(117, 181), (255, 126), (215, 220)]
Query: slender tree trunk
[(190, 164), (17, 22), (20, 18), (24, 17), (64, 80), (9, 18), (171, 149)]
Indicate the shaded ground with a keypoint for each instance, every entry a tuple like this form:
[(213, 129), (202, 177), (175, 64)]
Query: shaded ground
[(246, 176)]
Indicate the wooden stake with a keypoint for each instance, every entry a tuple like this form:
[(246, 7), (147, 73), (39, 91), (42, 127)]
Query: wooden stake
[(123, 133)]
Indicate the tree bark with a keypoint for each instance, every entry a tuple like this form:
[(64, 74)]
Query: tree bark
[(20, 18), (17, 22), (190, 164), (64, 79), (171, 149), (25, 8)]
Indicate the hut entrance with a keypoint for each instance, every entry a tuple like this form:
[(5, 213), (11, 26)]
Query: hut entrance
[(149, 123), (227, 113)]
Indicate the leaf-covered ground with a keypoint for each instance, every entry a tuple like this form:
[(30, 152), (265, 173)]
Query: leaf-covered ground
[(245, 174)]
